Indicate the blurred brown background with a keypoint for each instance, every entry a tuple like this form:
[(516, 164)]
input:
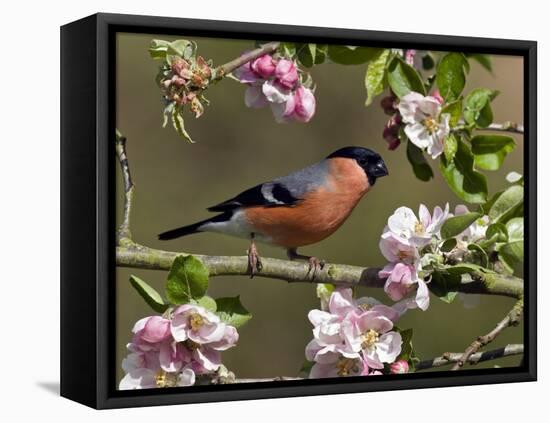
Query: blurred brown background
[(239, 147)]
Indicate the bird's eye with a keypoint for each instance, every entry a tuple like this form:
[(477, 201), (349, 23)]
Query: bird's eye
[(362, 161)]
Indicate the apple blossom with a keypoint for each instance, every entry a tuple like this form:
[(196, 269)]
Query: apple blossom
[(417, 231), (286, 73), (369, 333), (264, 66), (275, 82), (426, 126), (170, 351)]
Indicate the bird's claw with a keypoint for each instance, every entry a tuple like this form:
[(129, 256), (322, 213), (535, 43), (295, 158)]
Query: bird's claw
[(254, 261), (315, 266)]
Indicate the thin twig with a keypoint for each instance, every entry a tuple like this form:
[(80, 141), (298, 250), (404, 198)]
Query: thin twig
[(505, 127), (124, 234), (511, 319), (230, 66), (450, 358), (444, 360)]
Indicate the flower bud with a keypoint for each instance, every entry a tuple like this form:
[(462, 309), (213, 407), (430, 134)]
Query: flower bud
[(437, 95), (304, 104), (181, 67), (388, 104), (286, 73), (399, 367), (409, 57), (264, 66)]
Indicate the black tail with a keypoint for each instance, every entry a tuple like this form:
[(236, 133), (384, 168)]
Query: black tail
[(183, 231), (194, 228)]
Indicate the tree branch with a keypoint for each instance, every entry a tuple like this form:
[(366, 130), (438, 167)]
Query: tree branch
[(450, 358), (504, 127), (511, 319), (124, 234), (229, 67), (141, 257), (444, 360)]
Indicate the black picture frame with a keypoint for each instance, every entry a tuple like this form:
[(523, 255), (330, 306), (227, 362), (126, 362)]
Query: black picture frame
[(88, 218)]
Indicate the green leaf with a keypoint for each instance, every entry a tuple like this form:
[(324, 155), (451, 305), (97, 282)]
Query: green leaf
[(483, 59), (350, 55), (477, 107), (187, 280), (288, 49), (421, 167), (324, 291), (306, 54), (444, 285), (306, 368), (448, 245), (149, 294), (374, 79), (182, 48), (178, 123), (451, 75), (450, 146), (514, 228), (458, 224), (505, 205), (466, 183), (207, 302), (481, 254), (403, 78), (231, 311), (512, 255), (158, 48), (491, 150), (496, 232), (454, 109)]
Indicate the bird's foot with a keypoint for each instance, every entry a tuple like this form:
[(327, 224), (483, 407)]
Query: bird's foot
[(315, 265), (254, 261)]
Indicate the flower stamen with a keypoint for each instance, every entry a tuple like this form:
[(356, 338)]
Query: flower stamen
[(196, 321), (369, 339)]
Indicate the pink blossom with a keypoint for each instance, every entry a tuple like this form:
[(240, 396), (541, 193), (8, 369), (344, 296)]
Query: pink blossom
[(338, 367), (286, 73), (197, 324), (409, 56), (264, 66), (437, 95), (156, 329), (399, 367), (370, 334), (147, 379), (400, 280), (254, 97), (304, 107), (246, 75), (395, 248)]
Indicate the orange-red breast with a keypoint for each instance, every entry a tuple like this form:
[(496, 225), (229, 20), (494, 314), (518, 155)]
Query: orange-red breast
[(299, 209)]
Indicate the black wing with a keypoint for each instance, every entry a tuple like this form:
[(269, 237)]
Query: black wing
[(269, 194)]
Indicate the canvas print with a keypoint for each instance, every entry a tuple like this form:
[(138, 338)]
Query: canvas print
[(292, 210)]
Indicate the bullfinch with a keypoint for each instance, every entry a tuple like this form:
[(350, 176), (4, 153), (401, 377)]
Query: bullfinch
[(299, 209)]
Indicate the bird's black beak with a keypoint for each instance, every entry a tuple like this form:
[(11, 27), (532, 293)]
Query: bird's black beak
[(380, 169)]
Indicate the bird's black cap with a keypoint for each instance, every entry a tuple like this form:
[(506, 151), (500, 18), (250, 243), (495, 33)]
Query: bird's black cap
[(371, 162)]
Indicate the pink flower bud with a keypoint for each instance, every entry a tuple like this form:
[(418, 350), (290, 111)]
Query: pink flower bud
[(181, 67), (263, 66), (409, 56), (399, 367), (304, 104), (437, 95), (286, 73), (156, 329)]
